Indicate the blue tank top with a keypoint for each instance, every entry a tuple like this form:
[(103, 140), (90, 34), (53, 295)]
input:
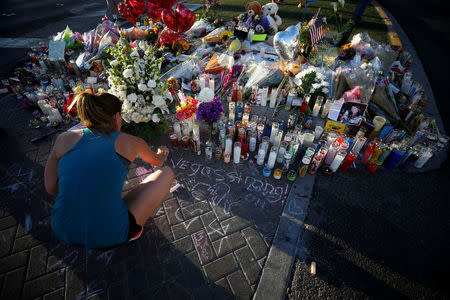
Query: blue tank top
[(89, 209)]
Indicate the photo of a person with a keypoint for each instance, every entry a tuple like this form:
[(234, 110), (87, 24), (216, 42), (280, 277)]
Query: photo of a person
[(352, 113)]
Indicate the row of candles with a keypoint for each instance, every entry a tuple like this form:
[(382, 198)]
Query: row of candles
[(300, 151)]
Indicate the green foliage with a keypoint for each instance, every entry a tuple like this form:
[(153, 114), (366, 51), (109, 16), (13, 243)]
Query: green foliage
[(149, 131)]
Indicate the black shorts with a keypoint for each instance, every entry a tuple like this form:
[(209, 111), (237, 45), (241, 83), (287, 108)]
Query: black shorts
[(135, 230)]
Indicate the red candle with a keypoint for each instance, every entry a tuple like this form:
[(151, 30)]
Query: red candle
[(372, 168), (244, 147), (174, 139), (185, 141), (351, 157)]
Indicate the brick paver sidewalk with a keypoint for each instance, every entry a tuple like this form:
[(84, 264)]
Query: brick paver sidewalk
[(209, 239)]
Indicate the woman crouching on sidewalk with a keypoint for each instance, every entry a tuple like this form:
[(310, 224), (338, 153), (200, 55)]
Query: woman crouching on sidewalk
[(86, 171)]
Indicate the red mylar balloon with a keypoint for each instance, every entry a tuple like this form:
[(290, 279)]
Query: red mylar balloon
[(167, 4), (131, 10), (170, 19), (154, 12), (185, 17), (168, 38)]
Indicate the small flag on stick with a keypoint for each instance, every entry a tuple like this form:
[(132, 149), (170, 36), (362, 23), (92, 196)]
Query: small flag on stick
[(316, 32)]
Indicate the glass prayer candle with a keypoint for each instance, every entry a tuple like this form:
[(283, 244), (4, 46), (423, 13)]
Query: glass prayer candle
[(265, 143), (264, 95), (241, 133), (272, 158), (244, 148), (358, 144), (231, 129), (235, 91), (247, 108), (267, 172), (291, 175), (177, 129), (277, 174), (316, 109), (281, 152), (348, 162), (368, 153), (252, 144), (208, 152), (293, 148), (195, 129), (261, 156), (196, 144), (372, 168), (344, 145), (423, 158), (326, 108), (211, 84), (411, 160), (376, 154), (308, 138), (237, 152), (378, 123), (318, 131), (231, 111), (331, 138), (174, 140), (202, 82), (273, 98), (286, 161), (239, 111), (260, 131), (278, 139), (386, 151), (185, 141), (331, 153), (291, 95), (291, 121), (274, 131), (218, 154), (226, 157), (245, 119), (229, 143), (338, 159), (185, 129), (394, 158), (316, 161)]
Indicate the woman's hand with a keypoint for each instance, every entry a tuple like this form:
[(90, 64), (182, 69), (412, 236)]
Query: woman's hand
[(163, 151)]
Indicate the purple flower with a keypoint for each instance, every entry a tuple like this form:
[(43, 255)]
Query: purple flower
[(210, 111)]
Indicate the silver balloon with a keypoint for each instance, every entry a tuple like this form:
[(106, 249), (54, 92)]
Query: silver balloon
[(287, 42)]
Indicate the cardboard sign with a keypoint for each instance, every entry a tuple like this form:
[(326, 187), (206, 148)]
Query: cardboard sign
[(56, 49), (334, 126)]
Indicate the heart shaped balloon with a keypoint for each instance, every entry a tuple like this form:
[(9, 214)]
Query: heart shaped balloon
[(154, 11), (169, 18), (167, 4), (287, 42), (131, 10), (185, 17)]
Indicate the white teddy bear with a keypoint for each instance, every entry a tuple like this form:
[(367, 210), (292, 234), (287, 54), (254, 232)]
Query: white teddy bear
[(269, 11)]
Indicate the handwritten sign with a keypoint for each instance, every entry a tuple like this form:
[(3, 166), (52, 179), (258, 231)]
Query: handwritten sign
[(56, 49)]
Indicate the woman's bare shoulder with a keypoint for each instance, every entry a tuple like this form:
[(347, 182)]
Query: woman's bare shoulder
[(66, 140)]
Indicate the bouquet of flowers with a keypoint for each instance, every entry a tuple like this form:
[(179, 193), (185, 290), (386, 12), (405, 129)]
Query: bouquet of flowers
[(210, 111), (187, 108), (134, 77), (311, 81), (68, 108)]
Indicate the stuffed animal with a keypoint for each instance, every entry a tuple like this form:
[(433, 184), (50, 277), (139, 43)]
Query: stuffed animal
[(270, 11), (263, 26), (253, 10)]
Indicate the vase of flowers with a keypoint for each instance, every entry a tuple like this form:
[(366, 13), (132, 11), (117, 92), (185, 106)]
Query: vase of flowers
[(310, 81), (210, 112), (134, 77)]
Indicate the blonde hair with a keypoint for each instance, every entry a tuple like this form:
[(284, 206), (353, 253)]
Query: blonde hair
[(97, 111)]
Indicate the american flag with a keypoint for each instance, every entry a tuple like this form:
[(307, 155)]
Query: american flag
[(316, 29)]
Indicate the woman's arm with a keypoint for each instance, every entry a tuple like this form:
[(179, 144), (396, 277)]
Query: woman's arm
[(51, 172), (144, 152)]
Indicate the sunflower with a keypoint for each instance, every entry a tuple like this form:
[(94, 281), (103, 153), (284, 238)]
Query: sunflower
[(226, 33)]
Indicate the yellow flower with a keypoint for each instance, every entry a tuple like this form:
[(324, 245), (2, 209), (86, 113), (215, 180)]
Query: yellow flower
[(184, 45), (225, 33)]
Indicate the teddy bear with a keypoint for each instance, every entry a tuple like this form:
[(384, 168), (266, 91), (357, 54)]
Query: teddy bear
[(253, 10), (269, 12)]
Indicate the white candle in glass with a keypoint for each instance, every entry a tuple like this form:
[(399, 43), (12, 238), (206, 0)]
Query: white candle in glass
[(264, 95), (196, 129), (281, 153), (48, 108), (274, 131), (261, 156), (273, 98), (421, 161), (338, 160), (177, 129), (202, 82), (237, 152), (272, 158), (252, 145), (211, 84), (308, 139), (228, 144), (278, 139), (318, 131), (316, 109), (331, 153), (41, 104)]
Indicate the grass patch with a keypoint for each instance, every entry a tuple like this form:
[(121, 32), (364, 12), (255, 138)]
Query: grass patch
[(371, 23)]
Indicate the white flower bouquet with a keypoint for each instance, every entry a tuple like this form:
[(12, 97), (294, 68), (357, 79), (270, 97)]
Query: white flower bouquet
[(134, 77)]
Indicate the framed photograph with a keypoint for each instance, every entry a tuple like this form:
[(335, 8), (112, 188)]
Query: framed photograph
[(351, 113)]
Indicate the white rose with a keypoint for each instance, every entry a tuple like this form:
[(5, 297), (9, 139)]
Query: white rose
[(159, 101), (206, 95), (132, 97), (114, 63), (316, 86), (122, 95), (151, 84), (128, 73), (325, 90), (155, 118), (136, 117), (142, 87)]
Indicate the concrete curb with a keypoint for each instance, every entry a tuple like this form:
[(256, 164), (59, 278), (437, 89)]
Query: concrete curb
[(280, 260)]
